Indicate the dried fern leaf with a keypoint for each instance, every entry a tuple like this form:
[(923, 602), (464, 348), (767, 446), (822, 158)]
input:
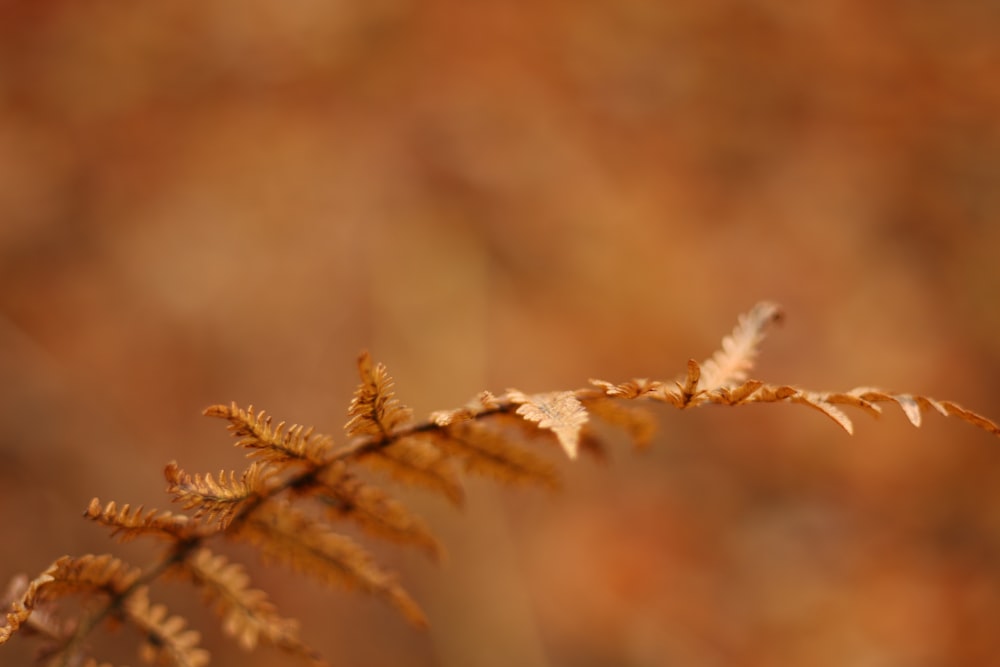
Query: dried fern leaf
[(560, 412), (25, 602), (165, 639), (913, 406), (755, 391), (272, 444), (951, 409), (415, 460), (486, 449), (217, 500), (66, 576), (103, 573), (127, 524), (729, 365), (818, 401), (680, 393), (638, 388), (248, 616), (483, 403), (737, 395), (344, 496), (687, 390), (375, 410), (864, 398), (284, 534), (725, 370)]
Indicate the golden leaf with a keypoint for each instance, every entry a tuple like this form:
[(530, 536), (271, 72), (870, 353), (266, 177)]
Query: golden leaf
[(104, 574), (560, 412), (274, 445), (343, 495), (127, 524), (729, 365), (26, 598), (285, 534), (485, 402), (374, 410), (166, 640), (247, 614), (217, 500), (415, 460), (638, 388), (488, 450)]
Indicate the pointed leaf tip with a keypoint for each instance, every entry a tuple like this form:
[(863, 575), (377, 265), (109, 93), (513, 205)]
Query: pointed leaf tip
[(374, 410), (910, 408), (730, 364)]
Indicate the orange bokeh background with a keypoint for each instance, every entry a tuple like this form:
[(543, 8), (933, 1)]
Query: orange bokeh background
[(202, 202)]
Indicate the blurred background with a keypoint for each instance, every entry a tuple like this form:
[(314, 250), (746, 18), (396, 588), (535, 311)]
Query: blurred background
[(205, 202)]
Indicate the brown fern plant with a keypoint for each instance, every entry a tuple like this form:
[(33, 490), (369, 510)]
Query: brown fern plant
[(300, 484)]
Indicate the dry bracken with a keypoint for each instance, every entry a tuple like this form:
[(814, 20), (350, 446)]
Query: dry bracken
[(299, 489)]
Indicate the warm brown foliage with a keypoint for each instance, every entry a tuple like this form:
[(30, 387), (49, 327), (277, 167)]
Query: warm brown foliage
[(127, 524), (247, 614), (287, 502)]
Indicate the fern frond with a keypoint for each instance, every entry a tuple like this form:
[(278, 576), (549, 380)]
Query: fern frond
[(127, 524), (952, 409), (284, 534), (66, 576), (488, 449), (484, 436), (104, 573), (165, 640), (247, 614), (375, 410), (25, 601), (484, 402), (869, 399), (273, 445), (220, 500), (686, 390), (637, 388), (560, 412), (730, 364), (686, 394), (37, 616), (344, 496), (813, 399), (415, 460), (739, 394)]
